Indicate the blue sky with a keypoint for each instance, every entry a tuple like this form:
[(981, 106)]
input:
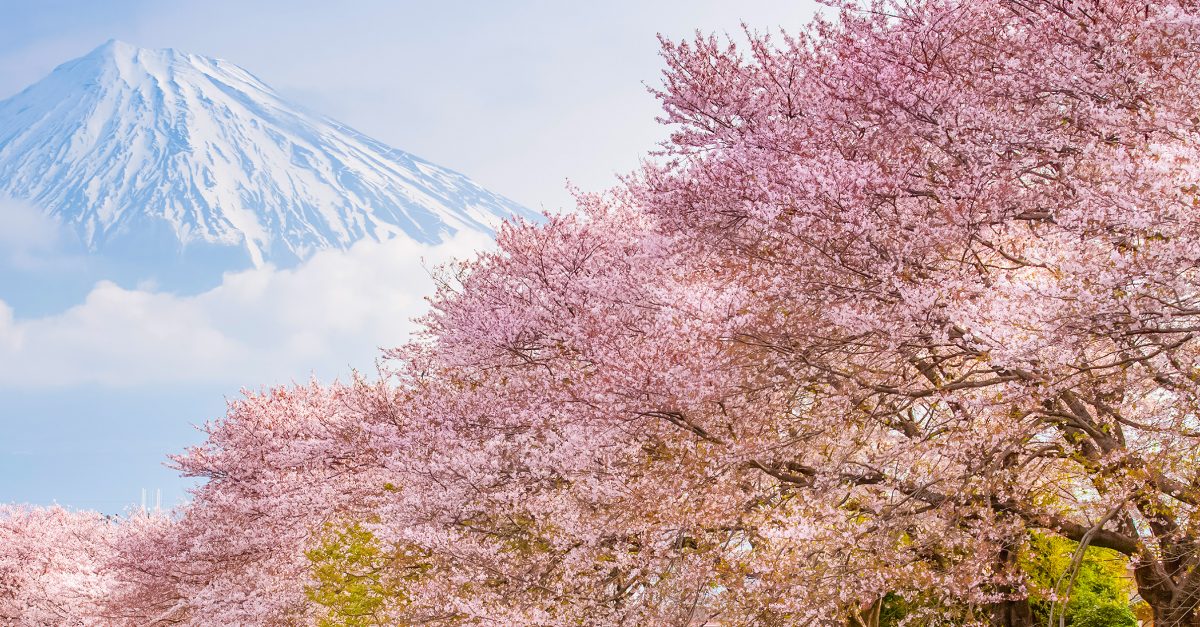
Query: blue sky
[(520, 96)]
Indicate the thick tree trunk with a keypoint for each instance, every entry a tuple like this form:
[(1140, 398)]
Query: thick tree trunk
[(1171, 604), (1011, 612), (1175, 614), (1015, 613), (867, 616)]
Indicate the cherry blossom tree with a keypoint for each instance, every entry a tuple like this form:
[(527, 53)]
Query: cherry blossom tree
[(902, 288), (279, 467), (969, 232), (53, 566), (909, 285)]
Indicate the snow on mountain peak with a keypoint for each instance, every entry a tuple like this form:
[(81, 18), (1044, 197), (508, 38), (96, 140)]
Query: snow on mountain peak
[(126, 141)]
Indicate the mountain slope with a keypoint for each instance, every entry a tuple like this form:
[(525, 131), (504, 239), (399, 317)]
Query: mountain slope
[(127, 141)]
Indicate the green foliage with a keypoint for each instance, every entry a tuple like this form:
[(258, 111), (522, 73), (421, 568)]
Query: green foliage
[(359, 581), (1099, 596), (1107, 615), (895, 608), (1101, 591)]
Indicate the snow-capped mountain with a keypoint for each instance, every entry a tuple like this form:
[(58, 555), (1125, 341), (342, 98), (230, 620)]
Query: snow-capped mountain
[(126, 142)]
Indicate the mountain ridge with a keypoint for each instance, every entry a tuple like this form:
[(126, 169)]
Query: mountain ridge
[(126, 141)]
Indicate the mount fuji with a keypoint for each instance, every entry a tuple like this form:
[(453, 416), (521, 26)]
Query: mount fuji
[(180, 160)]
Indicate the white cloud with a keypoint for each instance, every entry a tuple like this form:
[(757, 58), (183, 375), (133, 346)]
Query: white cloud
[(258, 327)]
